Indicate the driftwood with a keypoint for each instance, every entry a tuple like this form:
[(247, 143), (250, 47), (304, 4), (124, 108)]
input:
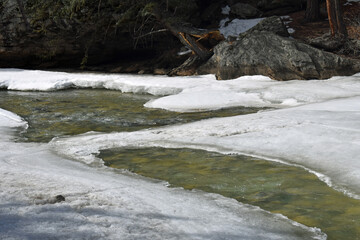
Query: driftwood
[(199, 41), (193, 37)]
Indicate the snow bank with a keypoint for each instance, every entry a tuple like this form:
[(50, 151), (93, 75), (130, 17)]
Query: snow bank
[(192, 93), (9, 119), (321, 132), (101, 203), (28, 80)]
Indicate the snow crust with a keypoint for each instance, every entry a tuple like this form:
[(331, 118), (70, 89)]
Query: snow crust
[(192, 93), (236, 26), (225, 10), (9, 119), (317, 127), (101, 203)]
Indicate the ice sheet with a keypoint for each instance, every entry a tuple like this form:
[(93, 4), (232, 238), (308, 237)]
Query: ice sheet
[(320, 132), (101, 203), (191, 93)]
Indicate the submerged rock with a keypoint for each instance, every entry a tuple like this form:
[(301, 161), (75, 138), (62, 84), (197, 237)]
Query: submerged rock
[(280, 58)]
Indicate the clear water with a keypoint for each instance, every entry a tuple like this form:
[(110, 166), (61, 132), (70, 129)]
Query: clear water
[(275, 187), (71, 112)]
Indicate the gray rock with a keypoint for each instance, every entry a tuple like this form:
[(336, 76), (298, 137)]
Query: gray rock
[(280, 58), (326, 42), (271, 24), (243, 10)]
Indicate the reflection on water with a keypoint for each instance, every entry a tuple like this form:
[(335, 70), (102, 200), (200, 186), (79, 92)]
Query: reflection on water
[(273, 186), (278, 188), (71, 112)]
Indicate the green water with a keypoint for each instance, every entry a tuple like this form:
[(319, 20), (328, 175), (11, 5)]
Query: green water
[(275, 187), (71, 112)]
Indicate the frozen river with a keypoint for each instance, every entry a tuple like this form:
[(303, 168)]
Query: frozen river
[(297, 157)]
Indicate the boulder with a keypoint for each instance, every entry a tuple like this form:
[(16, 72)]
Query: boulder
[(271, 24), (244, 10), (326, 42), (265, 53)]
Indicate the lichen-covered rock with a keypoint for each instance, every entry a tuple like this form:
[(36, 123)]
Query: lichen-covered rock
[(244, 10), (271, 24), (280, 58)]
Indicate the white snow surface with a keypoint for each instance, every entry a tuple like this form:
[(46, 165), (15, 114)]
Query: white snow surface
[(317, 127), (236, 26), (101, 203), (226, 10), (192, 93)]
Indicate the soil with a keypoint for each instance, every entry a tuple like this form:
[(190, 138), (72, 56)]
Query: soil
[(306, 30)]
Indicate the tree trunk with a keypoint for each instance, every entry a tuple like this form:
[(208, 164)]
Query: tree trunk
[(312, 13), (342, 31), (331, 16), (336, 20)]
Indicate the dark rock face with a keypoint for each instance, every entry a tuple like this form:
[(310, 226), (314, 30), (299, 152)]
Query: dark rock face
[(280, 7), (243, 10), (51, 34), (280, 58), (271, 24)]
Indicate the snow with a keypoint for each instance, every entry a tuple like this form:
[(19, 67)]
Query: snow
[(9, 119), (236, 26), (101, 203), (315, 126), (291, 30), (350, 2), (192, 93), (225, 10)]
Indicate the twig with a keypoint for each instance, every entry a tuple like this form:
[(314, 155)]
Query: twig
[(153, 32)]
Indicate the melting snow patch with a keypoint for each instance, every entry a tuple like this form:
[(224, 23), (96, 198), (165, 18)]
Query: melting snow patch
[(237, 26)]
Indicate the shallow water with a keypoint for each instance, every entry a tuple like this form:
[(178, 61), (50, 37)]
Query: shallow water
[(273, 186), (276, 187), (71, 112)]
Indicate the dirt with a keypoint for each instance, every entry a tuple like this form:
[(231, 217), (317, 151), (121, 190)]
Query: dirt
[(305, 30)]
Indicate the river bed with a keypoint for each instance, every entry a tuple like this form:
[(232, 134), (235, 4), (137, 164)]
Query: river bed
[(276, 187)]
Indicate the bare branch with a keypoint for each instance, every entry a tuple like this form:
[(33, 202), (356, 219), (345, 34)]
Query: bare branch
[(153, 32)]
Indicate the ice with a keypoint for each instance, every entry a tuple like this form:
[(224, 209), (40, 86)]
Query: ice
[(316, 127), (191, 93), (9, 119), (101, 203), (34, 80), (257, 91)]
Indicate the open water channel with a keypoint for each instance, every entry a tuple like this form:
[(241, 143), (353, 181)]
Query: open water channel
[(275, 187)]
